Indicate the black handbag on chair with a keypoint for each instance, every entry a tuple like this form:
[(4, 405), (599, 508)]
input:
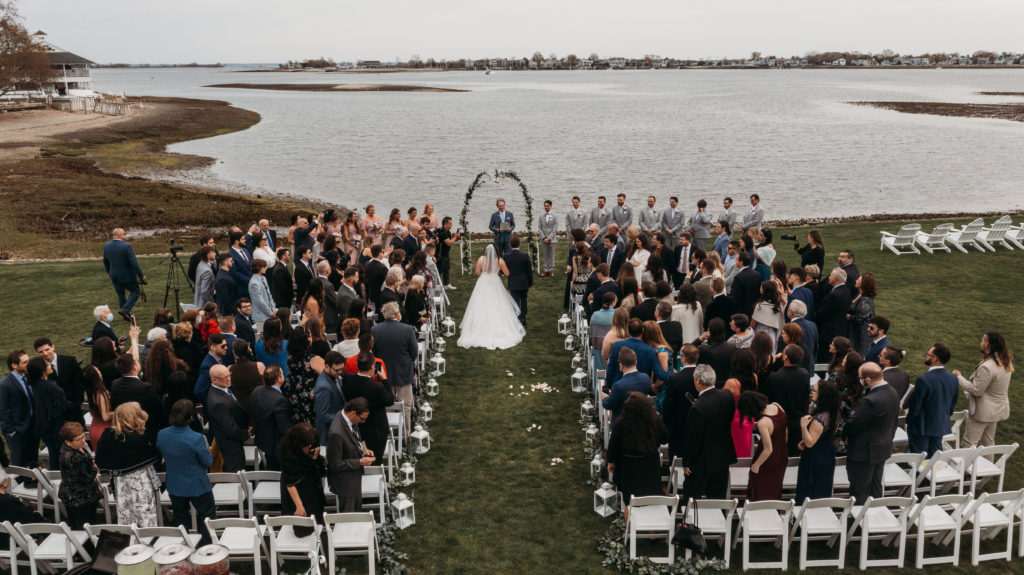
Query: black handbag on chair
[(690, 536)]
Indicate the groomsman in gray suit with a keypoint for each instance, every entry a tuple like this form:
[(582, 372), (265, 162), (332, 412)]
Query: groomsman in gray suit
[(700, 225), (548, 239), (621, 214), (756, 214), (601, 216), (650, 218), (728, 214), (576, 217), (673, 222)]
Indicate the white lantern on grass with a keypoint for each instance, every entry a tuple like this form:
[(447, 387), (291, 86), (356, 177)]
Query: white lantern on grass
[(420, 440), (579, 380), (587, 409), (563, 324), (427, 411), (408, 474), (592, 433), (404, 511), (432, 387), (606, 500), (440, 345), (570, 342), (448, 326), (437, 365), (577, 360), (596, 466)]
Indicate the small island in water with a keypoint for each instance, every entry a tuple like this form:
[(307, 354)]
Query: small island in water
[(1012, 112), (336, 87)]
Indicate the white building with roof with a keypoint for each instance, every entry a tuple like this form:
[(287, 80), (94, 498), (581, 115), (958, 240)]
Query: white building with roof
[(72, 76)]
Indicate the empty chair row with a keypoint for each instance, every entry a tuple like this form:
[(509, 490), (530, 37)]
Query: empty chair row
[(975, 235)]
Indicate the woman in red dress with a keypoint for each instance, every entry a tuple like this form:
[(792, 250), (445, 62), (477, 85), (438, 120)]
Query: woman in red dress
[(772, 454)]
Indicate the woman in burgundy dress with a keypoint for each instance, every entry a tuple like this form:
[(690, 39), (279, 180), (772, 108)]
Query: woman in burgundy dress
[(771, 456)]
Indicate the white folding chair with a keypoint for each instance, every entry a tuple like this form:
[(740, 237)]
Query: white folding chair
[(262, 488), (945, 471), (50, 542), (1016, 235), (739, 473), (10, 554), (390, 455), (902, 242), (284, 542), (94, 531), (253, 456), (789, 477), (967, 236), (676, 477), (229, 491), (883, 518), (714, 518), (985, 468), (988, 516), (899, 476), (107, 502), (375, 491), (840, 478), (899, 436), (936, 240), (822, 520), (351, 534), (19, 477), (952, 439), (765, 521), (652, 517), (938, 517), (48, 483), (159, 537), (996, 234), (396, 420), (243, 538)]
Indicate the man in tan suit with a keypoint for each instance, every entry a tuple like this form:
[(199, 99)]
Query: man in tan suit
[(987, 399)]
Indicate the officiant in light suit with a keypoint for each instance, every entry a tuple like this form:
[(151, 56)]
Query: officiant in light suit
[(503, 223)]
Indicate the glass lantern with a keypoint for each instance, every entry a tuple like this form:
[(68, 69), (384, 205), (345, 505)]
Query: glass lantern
[(579, 380), (437, 365), (432, 387), (448, 326), (420, 440), (587, 409), (408, 474), (570, 342), (592, 433), (427, 411), (577, 360), (404, 511), (606, 500), (596, 466), (440, 345), (563, 324)]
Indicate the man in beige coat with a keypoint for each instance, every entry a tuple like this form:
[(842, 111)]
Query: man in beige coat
[(988, 401)]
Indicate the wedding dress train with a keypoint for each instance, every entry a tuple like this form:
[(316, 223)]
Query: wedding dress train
[(491, 319)]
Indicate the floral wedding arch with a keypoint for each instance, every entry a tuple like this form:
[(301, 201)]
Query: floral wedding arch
[(465, 246)]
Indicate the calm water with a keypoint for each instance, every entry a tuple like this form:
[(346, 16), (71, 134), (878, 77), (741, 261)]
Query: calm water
[(787, 135)]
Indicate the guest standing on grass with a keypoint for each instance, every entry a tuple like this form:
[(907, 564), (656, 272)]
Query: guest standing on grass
[(862, 309), (770, 457), (931, 403), (48, 405), (302, 470), (987, 399), (124, 271), (347, 455), (633, 455), (79, 490), (17, 411), (708, 448), (869, 433), (817, 452), (126, 454), (188, 461), (272, 416)]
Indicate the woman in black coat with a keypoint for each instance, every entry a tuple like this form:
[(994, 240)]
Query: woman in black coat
[(49, 406), (302, 472), (79, 490), (415, 312), (633, 448)]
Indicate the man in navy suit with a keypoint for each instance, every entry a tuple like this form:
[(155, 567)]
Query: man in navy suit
[(606, 285), (520, 277), (631, 380), (225, 292), (613, 254), (830, 317), (241, 272), (878, 327), (931, 403), (328, 398), (746, 286), (502, 225), (721, 306), (68, 374), (17, 420), (124, 272), (801, 291), (646, 357)]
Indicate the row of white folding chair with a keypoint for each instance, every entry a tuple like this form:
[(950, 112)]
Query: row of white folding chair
[(347, 534), (951, 468), (44, 542)]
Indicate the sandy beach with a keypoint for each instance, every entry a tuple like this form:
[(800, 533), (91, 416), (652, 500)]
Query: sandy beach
[(23, 133)]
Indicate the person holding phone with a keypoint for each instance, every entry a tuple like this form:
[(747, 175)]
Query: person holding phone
[(302, 468)]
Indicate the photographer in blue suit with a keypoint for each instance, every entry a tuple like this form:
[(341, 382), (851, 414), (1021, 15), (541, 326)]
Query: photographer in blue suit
[(124, 272), (502, 225)]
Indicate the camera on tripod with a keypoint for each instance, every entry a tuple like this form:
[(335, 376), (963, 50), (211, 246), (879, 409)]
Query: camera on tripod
[(788, 237), (175, 249)]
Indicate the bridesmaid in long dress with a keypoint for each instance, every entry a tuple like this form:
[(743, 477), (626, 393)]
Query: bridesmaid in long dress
[(393, 223), (771, 455), (371, 227), (99, 403)]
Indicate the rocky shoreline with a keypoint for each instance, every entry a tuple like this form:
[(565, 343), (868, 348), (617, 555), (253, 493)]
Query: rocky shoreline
[(1011, 112), (335, 87)]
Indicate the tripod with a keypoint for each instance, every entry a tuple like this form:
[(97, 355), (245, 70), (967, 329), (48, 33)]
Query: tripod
[(173, 282)]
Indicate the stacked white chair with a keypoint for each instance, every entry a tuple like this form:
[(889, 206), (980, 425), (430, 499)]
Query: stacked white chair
[(285, 543), (822, 520), (884, 518), (652, 517), (351, 534), (243, 538), (938, 517), (988, 515), (902, 242), (765, 521)]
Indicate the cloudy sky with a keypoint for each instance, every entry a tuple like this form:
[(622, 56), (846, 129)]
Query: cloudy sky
[(236, 31)]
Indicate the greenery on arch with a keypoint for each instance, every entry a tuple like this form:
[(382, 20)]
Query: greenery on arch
[(496, 177)]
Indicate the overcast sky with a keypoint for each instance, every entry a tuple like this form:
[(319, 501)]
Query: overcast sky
[(236, 31)]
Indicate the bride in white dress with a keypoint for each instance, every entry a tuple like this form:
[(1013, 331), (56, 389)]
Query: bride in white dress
[(491, 319)]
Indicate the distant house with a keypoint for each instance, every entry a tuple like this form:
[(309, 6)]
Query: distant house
[(839, 62), (370, 64), (983, 60), (586, 63), (617, 62), (71, 72)]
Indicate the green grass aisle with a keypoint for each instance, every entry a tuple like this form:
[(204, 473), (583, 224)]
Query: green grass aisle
[(488, 499)]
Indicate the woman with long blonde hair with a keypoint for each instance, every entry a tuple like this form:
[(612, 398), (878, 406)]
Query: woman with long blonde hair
[(619, 332), (128, 456)]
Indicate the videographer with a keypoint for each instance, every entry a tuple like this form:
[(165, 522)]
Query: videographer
[(445, 240), (813, 252), (123, 269)]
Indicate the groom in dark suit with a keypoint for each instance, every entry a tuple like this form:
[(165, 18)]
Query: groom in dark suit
[(520, 274), (502, 225)]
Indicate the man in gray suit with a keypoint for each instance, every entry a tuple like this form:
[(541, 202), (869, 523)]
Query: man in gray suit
[(869, 433), (331, 310), (206, 274), (727, 214), (621, 214), (576, 218), (395, 344), (347, 455), (650, 218), (755, 216), (548, 240), (700, 223), (601, 216), (673, 222)]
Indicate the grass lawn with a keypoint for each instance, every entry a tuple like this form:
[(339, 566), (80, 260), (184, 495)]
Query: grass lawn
[(487, 498)]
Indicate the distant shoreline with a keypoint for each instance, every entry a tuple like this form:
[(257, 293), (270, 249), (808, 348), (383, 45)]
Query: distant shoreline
[(335, 87)]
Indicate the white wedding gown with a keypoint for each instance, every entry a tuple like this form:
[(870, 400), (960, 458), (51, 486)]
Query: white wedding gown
[(492, 319)]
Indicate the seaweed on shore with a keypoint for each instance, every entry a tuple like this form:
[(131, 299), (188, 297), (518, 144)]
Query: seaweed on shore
[(1011, 112)]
